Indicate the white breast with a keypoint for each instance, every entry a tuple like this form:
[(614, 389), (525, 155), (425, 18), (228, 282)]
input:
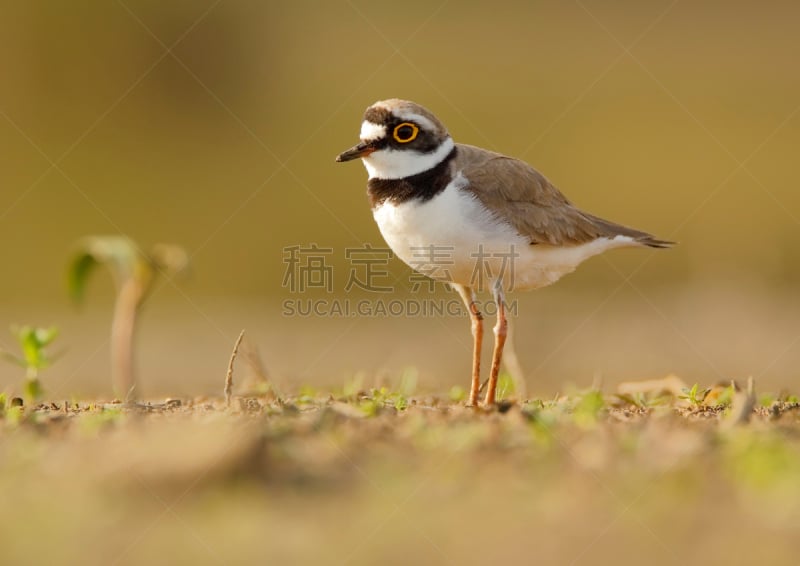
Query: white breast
[(453, 237)]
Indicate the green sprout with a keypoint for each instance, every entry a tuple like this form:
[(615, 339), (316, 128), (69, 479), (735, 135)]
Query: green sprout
[(380, 398), (637, 399), (134, 273), (457, 394), (695, 395), (506, 386), (33, 343), (307, 395), (589, 409)]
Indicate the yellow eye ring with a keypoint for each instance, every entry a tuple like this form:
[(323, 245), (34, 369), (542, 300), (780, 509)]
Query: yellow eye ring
[(414, 131)]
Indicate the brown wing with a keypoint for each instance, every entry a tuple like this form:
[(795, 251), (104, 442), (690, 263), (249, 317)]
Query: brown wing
[(517, 193)]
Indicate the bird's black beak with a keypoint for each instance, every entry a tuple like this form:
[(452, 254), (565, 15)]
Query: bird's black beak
[(359, 150)]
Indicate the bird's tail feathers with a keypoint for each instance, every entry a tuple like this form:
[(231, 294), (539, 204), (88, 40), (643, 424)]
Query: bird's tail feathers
[(611, 230)]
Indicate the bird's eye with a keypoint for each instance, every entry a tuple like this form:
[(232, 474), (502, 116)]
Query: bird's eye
[(405, 132)]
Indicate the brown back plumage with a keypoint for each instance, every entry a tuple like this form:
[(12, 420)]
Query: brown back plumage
[(518, 194)]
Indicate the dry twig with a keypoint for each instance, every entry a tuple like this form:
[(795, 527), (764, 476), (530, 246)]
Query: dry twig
[(229, 375)]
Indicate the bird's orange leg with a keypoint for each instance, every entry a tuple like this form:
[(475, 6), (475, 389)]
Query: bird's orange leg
[(500, 333), (468, 296)]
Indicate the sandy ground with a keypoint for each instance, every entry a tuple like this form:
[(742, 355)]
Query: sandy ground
[(325, 478)]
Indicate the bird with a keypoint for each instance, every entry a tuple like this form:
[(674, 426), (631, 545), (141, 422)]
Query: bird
[(445, 207)]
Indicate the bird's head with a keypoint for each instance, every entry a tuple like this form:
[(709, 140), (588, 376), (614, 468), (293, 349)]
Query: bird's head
[(399, 138)]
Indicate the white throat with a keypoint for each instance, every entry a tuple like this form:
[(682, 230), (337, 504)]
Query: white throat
[(399, 163)]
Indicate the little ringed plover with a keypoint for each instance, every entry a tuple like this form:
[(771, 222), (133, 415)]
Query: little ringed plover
[(470, 206)]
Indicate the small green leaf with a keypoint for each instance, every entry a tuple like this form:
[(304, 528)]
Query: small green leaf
[(44, 336), (588, 410), (307, 391), (370, 407), (457, 394), (122, 256), (31, 349), (78, 275), (695, 396), (14, 414)]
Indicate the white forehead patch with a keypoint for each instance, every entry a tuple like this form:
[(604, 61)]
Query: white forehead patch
[(370, 131)]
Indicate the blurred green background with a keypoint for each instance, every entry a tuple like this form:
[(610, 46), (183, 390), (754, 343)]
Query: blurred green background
[(214, 125)]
